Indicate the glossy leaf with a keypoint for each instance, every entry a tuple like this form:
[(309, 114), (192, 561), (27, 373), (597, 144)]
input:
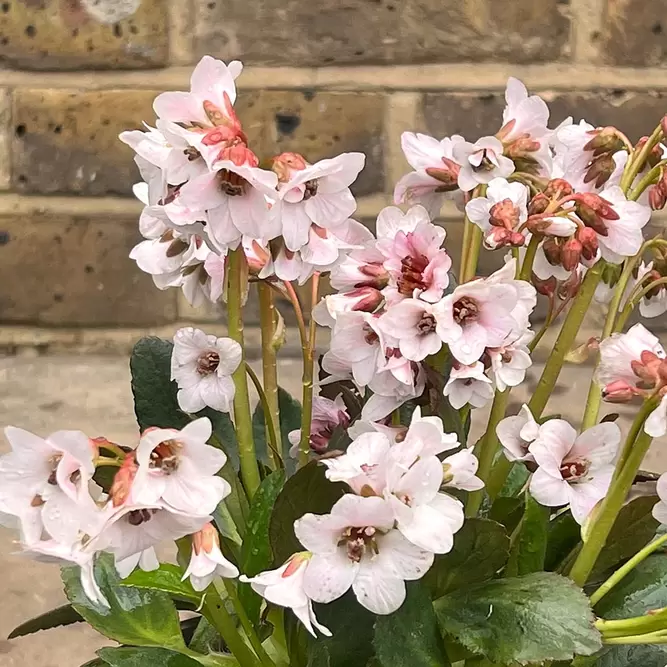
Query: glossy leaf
[(155, 402), (65, 615), (530, 545), (307, 491), (167, 578), (159, 657), (256, 552), (481, 549), (564, 536), (535, 618), (634, 529), (410, 636), (135, 616)]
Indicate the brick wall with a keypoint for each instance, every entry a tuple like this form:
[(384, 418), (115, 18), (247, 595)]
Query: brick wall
[(321, 77)]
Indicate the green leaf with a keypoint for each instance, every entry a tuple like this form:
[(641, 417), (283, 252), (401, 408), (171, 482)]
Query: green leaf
[(290, 420), (481, 549), (508, 511), (206, 638), (632, 656), (65, 615), (515, 482), (307, 491), (530, 546), (410, 636), (167, 578), (95, 662), (634, 529), (135, 616), (564, 535), (155, 402), (159, 657), (256, 551), (352, 628), (539, 617)]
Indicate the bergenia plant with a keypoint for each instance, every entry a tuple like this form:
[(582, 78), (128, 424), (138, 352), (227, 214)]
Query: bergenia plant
[(363, 526)]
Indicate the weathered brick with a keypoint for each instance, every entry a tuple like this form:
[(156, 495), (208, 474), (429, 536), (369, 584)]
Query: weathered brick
[(5, 150), (474, 115), (331, 32), (66, 270), (67, 141), (318, 125), (634, 32), (80, 34)]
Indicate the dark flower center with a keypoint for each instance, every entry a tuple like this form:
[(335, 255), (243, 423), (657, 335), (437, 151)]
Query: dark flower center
[(192, 153), (486, 164), (231, 183), (165, 456), (412, 275), (426, 325), (466, 310), (369, 334), (357, 541), (311, 190), (137, 517), (572, 471), (208, 363)]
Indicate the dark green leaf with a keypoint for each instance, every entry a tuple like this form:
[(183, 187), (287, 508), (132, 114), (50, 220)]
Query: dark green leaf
[(481, 549), (307, 491), (155, 402), (352, 628), (530, 545), (633, 530), (104, 476), (515, 482), (156, 657), (256, 552), (166, 579), (290, 420), (644, 589), (55, 618), (135, 616), (95, 662), (410, 636), (539, 617), (206, 638), (507, 511), (564, 535)]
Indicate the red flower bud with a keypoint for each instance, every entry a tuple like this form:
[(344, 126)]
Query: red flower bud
[(656, 197), (571, 254), (368, 299), (589, 242), (538, 204), (552, 251), (605, 140), (600, 170)]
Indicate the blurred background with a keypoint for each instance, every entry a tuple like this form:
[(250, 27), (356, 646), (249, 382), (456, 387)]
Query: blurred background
[(321, 77)]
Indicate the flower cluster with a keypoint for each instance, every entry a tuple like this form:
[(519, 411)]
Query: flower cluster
[(164, 489)]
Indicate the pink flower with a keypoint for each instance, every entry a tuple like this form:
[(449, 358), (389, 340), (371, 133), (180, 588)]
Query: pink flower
[(412, 323), (510, 362), (366, 299), (207, 560), (573, 470), (355, 546), (328, 415), (468, 385), (313, 194), (481, 162), (179, 469), (202, 366), (517, 433), (436, 172), (476, 315), (285, 587)]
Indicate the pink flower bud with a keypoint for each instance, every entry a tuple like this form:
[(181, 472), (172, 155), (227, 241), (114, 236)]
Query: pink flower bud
[(605, 140), (589, 242), (552, 251), (571, 254), (448, 175), (504, 214), (545, 287), (368, 299), (538, 204), (618, 391), (497, 237), (656, 197), (285, 164), (517, 239), (558, 188), (122, 481), (600, 170)]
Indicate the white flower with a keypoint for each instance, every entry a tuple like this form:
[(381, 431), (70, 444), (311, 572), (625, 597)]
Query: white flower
[(356, 546), (285, 587), (468, 385), (528, 115), (312, 194), (481, 162), (207, 560), (624, 236), (436, 172), (44, 484), (202, 366), (460, 471), (510, 362), (179, 469), (412, 323), (476, 315), (366, 299), (660, 508), (574, 470), (516, 435), (656, 424), (425, 437), (424, 516), (327, 416)]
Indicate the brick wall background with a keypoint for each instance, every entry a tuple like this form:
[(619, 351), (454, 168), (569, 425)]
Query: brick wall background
[(321, 77)]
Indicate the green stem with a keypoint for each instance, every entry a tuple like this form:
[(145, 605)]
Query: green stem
[(648, 179), (465, 247), (635, 164), (634, 299), (636, 446), (659, 637), (528, 260), (486, 450), (623, 572), (267, 320), (237, 270), (472, 256), (268, 418), (566, 338), (246, 624), (498, 477)]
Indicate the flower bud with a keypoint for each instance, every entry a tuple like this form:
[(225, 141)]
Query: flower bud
[(497, 237), (285, 164), (368, 299), (552, 251), (506, 129), (654, 156), (657, 197), (521, 148), (600, 170), (122, 481), (618, 391), (538, 204), (662, 372), (448, 175), (517, 239), (570, 255), (663, 125), (604, 140), (504, 214), (589, 242), (558, 188), (545, 287)]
